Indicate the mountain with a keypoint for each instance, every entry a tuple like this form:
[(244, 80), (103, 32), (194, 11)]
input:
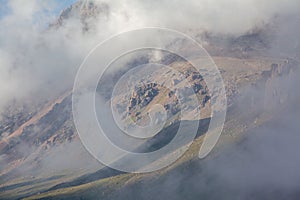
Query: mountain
[(41, 156)]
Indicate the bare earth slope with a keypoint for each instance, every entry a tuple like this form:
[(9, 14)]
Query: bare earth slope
[(33, 148)]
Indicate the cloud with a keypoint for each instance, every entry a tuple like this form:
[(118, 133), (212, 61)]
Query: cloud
[(37, 59), (32, 59), (263, 163), (223, 16), (38, 63)]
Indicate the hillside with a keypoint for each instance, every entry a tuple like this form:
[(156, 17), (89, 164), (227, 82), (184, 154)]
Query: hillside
[(55, 134), (42, 156)]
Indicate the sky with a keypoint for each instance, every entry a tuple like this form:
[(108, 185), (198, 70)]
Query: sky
[(4, 10), (62, 4), (59, 6)]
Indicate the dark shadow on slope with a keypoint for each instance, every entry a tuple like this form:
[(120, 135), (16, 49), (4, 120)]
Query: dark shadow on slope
[(160, 140), (22, 184)]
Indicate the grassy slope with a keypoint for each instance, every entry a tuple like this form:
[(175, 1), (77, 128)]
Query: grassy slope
[(104, 188)]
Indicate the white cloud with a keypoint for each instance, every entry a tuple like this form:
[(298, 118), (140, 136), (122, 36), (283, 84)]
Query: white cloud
[(34, 59)]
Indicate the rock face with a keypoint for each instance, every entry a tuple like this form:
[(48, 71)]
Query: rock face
[(12, 120), (142, 96), (85, 11), (277, 84), (174, 93), (50, 127)]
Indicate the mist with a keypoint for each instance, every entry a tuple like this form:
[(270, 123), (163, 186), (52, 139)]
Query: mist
[(261, 163), (40, 61)]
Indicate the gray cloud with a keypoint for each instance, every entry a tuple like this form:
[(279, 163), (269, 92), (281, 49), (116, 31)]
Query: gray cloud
[(34, 59)]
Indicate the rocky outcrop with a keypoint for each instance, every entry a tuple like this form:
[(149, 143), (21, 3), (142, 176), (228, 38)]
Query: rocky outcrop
[(278, 81), (85, 11), (142, 96), (172, 101)]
